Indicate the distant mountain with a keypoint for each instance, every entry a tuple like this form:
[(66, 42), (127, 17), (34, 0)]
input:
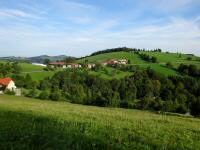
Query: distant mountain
[(35, 59), (40, 59)]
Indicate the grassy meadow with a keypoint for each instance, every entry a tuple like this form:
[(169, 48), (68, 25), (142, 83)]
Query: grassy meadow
[(37, 72), (160, 67), (35, 124)]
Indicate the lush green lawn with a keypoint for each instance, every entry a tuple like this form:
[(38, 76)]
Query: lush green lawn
[(110, 73), (36, 72), (174, 58), (26, 67), (33, 124), (136, 60), (40, 75)]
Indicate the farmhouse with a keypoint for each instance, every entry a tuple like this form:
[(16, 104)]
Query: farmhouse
[(73, 65), (90, 66), (123, 62), (7, 84), (110, 62), (115, 62), (58, 64)]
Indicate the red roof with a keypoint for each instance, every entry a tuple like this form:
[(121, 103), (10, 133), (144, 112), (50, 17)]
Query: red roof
[(5, 81), (57, 63)]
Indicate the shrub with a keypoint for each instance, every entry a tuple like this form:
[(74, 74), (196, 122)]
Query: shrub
[(55, 96), (189, 58), (32, 93), (169, 65), (44, 95), (195, 107), (9, 92), (154, 59)]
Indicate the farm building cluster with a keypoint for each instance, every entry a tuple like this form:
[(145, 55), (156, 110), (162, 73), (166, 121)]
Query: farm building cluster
[(115, 62), (112, 62), (70, 65)]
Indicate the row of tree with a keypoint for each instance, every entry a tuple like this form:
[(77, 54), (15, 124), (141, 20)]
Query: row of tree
[(191, 70), (123, 49), (146, 89), (148, 58), (9, 68)]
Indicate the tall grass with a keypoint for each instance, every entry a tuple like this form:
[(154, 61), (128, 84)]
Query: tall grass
[(33, 124)]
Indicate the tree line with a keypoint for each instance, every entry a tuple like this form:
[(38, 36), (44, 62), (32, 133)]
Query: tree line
[(9, 68), (146, 89), (148, 58), (123, 49), (191, 70)]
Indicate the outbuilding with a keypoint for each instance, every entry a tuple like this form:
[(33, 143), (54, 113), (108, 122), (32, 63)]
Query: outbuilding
[(7, 84)]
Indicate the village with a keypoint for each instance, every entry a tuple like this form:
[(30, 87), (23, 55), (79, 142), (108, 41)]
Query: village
[(7, 84), (111, 62)]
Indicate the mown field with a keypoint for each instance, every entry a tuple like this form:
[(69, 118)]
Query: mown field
[(36, 72), (34, 124)]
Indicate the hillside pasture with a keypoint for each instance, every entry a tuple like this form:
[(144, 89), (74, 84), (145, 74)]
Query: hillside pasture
[(136, 60), (35, 124)]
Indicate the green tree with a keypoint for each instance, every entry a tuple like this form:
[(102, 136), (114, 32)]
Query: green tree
[(44, 95), (55, 95), (195, 107)]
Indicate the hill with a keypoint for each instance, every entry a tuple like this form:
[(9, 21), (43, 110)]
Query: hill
[(40, 59), (175, 58), (34, 124), (36, 59)]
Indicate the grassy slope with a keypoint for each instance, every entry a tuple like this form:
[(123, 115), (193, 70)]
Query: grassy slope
[(34, 124), (135, 59), (36, 72), (26, 67), (174, 58)]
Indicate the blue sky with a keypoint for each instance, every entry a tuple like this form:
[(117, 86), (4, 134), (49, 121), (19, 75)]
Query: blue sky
[(80, 27)]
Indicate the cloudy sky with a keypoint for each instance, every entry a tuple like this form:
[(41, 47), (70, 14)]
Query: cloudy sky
[(79, 27)]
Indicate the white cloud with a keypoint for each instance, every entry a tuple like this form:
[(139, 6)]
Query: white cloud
[(15, 13)]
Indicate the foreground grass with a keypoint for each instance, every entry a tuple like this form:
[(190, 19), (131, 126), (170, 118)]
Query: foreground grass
[(33, 124)]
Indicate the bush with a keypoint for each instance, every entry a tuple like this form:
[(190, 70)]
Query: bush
[(195, 107), (169, 65), (9, 92), (32, 93), (154, 59), (55, 96), (181, 109), (189, 58), (44, 95)]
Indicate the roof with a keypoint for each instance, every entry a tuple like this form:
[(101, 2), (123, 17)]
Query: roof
[(57, 63), (5, 81)]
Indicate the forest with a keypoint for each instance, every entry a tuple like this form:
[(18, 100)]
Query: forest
[(145, 89)]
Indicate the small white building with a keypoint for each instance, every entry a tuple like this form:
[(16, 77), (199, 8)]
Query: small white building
[(123, 62), (73, 65), (90, 66), (7, 84)]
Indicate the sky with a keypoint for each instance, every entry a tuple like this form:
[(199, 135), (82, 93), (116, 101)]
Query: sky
[(80, 27)]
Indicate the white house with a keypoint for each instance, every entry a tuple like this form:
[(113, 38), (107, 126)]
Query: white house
[(90, 66), (7, 84), (73, 65)]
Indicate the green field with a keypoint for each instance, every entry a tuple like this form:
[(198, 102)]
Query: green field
[(34, 124), (26, 67), (110, 73), (160, 67), (36, 72)]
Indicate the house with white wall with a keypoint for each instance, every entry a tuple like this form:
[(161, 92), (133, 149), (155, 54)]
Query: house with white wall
[(7, 84)]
